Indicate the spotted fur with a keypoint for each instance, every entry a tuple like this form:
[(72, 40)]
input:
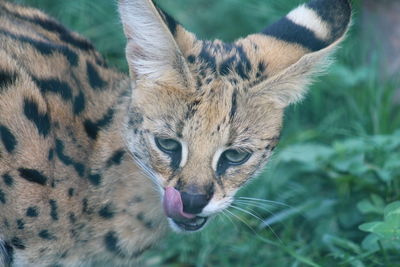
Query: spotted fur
[(81, 173)]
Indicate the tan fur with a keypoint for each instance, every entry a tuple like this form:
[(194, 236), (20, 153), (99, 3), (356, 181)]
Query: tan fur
[(82, 178)]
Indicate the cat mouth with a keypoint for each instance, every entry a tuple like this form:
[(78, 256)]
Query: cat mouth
[(173, 208), (191, 225)]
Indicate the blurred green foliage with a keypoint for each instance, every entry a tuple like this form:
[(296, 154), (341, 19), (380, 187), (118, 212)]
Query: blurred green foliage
[(336, 170)]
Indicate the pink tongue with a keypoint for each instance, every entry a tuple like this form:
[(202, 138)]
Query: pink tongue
[(173, 206)]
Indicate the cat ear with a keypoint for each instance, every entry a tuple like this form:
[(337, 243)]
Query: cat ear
[(151, 51), (297, 46)]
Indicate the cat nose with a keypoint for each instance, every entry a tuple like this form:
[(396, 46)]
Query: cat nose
[(194, 203)]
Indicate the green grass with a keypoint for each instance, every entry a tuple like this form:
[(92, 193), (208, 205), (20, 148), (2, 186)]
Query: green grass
[(335, 169)]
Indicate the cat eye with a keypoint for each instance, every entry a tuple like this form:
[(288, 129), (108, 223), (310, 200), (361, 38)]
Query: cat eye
[(172, 148), (168, 145), (231, 157), (236, 157)]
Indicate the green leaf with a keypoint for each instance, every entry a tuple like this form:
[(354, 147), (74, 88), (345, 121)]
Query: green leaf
[(392, 212), (338, 242), (370, 243), (370, 227), (388, 229), (375, 205), (373, 243)]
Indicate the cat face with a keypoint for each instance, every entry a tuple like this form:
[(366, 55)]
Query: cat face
[(206, 143), (205, 116)]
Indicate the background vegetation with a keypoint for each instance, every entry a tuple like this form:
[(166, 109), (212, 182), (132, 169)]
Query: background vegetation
[(336, 170)]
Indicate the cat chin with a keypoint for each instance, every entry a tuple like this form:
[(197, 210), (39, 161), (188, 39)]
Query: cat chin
[(190, 226)]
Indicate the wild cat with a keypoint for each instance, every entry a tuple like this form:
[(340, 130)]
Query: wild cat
[(95, 165)]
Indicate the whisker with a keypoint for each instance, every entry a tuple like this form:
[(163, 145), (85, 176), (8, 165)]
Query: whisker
[(255, 205), (229, 218), (247, 212), (254, 231), (261, 204), (144, 169), (240, 219), (261, 220), (265, 201)]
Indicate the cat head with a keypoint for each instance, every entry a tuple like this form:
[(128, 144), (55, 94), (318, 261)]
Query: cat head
[(205, 116)]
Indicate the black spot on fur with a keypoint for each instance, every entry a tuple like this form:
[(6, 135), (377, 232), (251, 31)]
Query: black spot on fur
[(7, 79), (192, 109), (138, 199), (45, 234), (2, 197), (51, 154), (206, 56), (64, 254), (94, 179), (233, 81), (261, 67), (269, 148), (199, 83), (44, 47), (53, 209), (141, 218), (191, 59), (233, 105), (111, 242), (32, 211), (9, 254), (95, 80), (226, 66), (8, 180), (261, 71), (135, 117), (54, 26), (33, 176), (9, 140), (243, 67), (72, 217), (106, 212), (179, 128), (17, 243), (41, 120), (63, 33), (71, 192), (79, 167), (55, 86), (92, 128), (79, 103), (20, 224), (85, 206), (288, 31), (116, 158), (273, 143)]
